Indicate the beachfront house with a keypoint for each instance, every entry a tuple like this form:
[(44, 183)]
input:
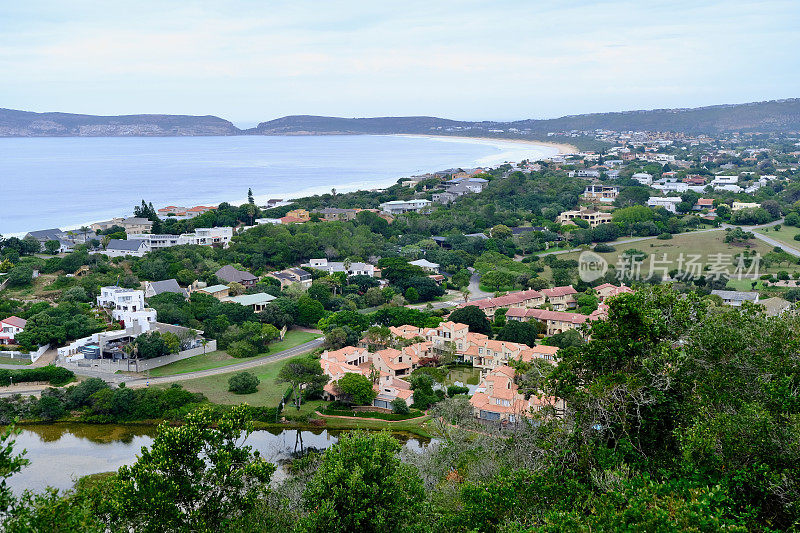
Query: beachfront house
[(398, 207), (121, 248)]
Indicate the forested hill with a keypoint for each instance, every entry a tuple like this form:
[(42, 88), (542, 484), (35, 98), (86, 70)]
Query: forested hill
[(773, 116), (28, 124)]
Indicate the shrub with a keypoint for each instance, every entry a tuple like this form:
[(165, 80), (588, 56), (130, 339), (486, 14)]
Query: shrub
[(604, 248), (400, 407), (664, 236), (55, 375), (242, 349), (243, 383), (452, 390)]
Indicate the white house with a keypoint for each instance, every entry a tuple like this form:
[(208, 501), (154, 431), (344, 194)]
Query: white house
[(127, 306), (668, 202), (354, 268), (10, 327), (121, 248), (397, 207), (202, 236), (426, 265), (643, 177)]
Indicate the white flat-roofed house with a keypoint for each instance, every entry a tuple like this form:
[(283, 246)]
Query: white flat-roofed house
[(127, 306), (258, 302), (597, 192), (643, 178), (202, 236), (667, 202), (355, 268), (397, 207)]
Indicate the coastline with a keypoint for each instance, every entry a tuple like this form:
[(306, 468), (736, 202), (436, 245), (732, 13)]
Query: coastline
[(563, 148)]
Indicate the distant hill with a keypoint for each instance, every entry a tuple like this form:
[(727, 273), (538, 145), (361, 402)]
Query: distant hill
[(772, 116), (28, 124)]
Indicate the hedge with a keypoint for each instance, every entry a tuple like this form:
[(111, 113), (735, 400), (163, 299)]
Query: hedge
[(332, 410), (55, 375)]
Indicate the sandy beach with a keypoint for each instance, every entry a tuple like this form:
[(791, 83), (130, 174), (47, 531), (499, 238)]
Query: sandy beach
[(563, 148)]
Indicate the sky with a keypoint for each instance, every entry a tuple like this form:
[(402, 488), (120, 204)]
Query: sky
[(249, 61)]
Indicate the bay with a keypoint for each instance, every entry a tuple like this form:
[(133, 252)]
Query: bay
[(69, 181)]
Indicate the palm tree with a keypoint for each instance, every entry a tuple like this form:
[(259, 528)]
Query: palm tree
[(465, 294), (85, 230), (204, 342)]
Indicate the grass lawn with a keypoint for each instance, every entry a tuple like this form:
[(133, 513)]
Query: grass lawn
[(785, 235), (216, 387), (218, 358), (704, 244), (12, 361)]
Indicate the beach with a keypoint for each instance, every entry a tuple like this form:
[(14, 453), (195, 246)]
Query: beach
[(563, 148)]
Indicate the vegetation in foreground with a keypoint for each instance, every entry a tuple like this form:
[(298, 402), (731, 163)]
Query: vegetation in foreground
[(679, 417)]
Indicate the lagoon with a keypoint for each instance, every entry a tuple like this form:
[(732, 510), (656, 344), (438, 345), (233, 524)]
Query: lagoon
[(69, 181), (61, 453)]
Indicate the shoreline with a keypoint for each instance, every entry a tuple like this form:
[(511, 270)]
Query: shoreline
[(496, 142), (563, 148)]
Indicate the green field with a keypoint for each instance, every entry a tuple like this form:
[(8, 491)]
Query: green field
[(667, 254), (216, 387), (785, 235), (12, 361), (218, 358)]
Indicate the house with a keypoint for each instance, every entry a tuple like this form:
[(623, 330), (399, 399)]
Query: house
[(554, 321), (529, 298), (601, 193), (353, 269), (331, 214), (445, 197), (219, 292), (350, 359), (775, 306), (290, 276), (121, 248), (643, 178), (397, 207), (258, 302), (426, 265), (127, 306), (703, 203), (594, 218), (229, 274), (301, 215), (136, 225), (66, 239), (736, 298), (154, 288), (497, 399), (738, 206), (220, 236), (607, 290), (561, 297), (667, 202), (10, 327)]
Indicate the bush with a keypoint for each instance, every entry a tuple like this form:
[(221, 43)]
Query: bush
[(242, 349), (243, 383), (664, 236), (400, 407), (55, 375), (604, 248), (452, 390)]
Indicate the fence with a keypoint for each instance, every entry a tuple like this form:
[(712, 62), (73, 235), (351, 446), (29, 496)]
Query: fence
[(143, 364), (31, 356)]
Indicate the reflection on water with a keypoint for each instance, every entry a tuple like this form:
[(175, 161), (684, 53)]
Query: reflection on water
[(61, 453)]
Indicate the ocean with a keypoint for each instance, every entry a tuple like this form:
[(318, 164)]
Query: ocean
[(69, 181)]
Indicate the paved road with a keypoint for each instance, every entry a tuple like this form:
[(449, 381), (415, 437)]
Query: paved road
[(244, 365)]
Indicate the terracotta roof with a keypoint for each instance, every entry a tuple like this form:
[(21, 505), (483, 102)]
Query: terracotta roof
[(513, 298), (15, 321), (556, 292)]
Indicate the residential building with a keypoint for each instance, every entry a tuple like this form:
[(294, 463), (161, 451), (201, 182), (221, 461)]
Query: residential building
[(10, 327), (290, 276), (127, 306), (154, 288), (258, 302), (497, 399), (229, 274), (775, 306), (736, 298), (121, 248), (300, 214), (397, 207), (136, 225), (331, 214), (220, 236), (643, 178), (594, 218), (220, 292), (738, 206), (703, 203), (607, 290), (561, 298), (353, 269), (597, 192), (667, 202), (529, 298), (426, 265), (554, 321)]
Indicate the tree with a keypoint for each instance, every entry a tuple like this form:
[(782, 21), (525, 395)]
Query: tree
[(309, 311), (20, 276), (501, 232), (300, 372), (194, 477), (250, 199), (412, 295), (630, 196), (52, 247), (516, 331), (243, 383), (10, 464), (400, 407), (355, 389), (473, 317), (362, 485)]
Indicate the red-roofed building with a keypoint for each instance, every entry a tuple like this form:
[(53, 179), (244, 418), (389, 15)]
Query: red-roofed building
[(607, 290), (562, 298), (10, 327), (554, 321)]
